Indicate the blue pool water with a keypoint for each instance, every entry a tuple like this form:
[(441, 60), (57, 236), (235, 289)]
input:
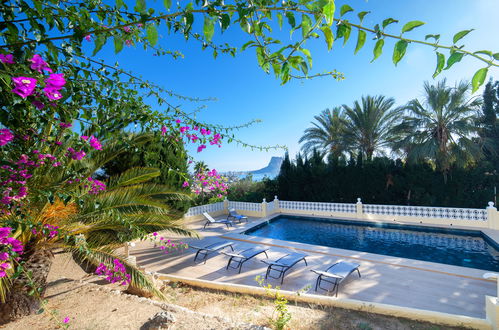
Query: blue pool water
[(448, 246)]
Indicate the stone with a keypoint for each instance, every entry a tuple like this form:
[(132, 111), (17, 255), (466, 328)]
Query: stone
[(162, 320)]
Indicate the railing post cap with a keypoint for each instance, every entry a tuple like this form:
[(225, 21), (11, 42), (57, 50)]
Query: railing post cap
[(491, 205), (264, 200), (359, 200)]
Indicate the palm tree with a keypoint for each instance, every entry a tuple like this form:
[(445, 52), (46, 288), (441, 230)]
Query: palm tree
[(369, 125), (325, 135), (441, 127), (200, 167), (91, 226)]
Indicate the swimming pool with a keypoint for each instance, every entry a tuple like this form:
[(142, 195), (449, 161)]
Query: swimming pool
[(448, 246)]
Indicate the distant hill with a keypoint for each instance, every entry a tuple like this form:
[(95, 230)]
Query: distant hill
[(271, 170)]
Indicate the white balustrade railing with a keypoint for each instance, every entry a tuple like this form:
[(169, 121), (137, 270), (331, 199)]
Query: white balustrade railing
[(197, 210), (427, 212), (480, 217), (318, 206), (245, 206), (270, 207)]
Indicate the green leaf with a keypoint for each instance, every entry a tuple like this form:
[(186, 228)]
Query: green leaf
[(485, 52), (291, 19), (308, 55), (411, 25), (388, 21), (345, 9), (440, 64), (362, 14), (152, 34), (399, 51), (478, 79), (279, 20), (434, 36), (118, 44), (225, 21), (208, 27), (328, 12), (454, 58), (140, 6), (168, 4), (496, 56), (458, 36), (378, 49), (306, 25), (99, 42), (328, 35), (119, 3), (361, 40)]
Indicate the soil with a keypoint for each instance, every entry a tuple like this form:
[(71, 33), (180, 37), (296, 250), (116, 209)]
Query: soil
[(92, 303)]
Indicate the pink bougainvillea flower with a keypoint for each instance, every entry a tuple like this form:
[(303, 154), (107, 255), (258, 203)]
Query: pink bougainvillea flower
[(178, 121), (66, 320), (184, 129), (185, 184), (163, 130), (38, 64), (128, 42), (52, 93), (84, 137), (56, 81), (201, 147), (155, 234), (88, 37), (94, 143), (127, 29), (7, 58), (65, 125), (39, 105), (5, 136), (140, 25), (78, 155), (4, 256), (24, 86)]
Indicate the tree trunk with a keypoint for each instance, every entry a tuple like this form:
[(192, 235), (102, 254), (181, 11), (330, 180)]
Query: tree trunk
[(18, 301)]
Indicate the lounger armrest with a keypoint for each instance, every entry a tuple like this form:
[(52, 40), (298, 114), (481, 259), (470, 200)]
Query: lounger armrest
[(273, 263), (233, 255), (319, 272)]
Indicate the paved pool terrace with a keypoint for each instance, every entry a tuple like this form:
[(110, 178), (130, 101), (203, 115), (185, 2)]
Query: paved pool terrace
[(388, 280)]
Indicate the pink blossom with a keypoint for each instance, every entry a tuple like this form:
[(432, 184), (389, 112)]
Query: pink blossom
[(94, 143), (39, 105), (201, 147), (178, 121), (84, 137), (5, 136), (163, 130), (24, 86), (65, 125), (52, 93), (185, 184), (4, 256), (7, 58), (183, 129), (127, 29), (56, 81), (66, 320), (38, 64), (88, 37), (128, 42)]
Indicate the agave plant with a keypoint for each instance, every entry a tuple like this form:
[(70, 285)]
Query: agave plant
[(91, 226)]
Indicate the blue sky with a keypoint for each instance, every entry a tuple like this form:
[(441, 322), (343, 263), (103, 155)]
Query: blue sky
[(244, 92)]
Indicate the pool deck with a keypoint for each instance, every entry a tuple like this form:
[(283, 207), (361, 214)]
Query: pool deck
[(388, 280)]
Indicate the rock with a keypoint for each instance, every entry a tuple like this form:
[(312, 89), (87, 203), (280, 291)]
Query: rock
[(162, 320)]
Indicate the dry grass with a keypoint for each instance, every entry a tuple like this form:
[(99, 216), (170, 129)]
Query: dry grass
[(258, 310)]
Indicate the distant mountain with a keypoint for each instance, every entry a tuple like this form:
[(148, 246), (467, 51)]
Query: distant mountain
[(271, 170)]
